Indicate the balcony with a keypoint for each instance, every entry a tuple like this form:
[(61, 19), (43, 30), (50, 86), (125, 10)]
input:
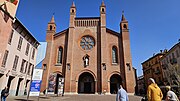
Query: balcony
[(173, 61)]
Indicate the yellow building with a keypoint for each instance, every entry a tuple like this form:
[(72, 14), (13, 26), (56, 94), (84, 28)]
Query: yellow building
[(152, 69)]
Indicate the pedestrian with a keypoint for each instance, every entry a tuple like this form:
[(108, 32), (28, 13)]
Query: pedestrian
[(171, 96), (4, 94), (154, 93), (121, 94)]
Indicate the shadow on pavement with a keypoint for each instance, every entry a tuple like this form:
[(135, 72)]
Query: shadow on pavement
[(23, 100), (44, 97)]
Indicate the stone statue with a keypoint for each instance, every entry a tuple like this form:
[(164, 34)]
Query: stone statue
[(86, 61)]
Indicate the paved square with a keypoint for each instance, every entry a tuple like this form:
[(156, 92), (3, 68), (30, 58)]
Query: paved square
[(83, 97)]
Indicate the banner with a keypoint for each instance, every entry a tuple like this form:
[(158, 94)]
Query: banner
[(61, 86), (52, 83), (35, 87), (36, 82)]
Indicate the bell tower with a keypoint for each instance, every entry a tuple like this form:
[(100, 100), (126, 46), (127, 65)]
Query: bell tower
[(124, 24), (103, 14), (70, 47), (51, 30), (126, 67), (102, 81), (72, 15)]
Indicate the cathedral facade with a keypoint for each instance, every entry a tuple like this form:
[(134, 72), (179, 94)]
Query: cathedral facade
[(87, 57)]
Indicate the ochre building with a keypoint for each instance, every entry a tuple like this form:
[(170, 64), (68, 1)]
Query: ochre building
[(89, 56), (152, 69)]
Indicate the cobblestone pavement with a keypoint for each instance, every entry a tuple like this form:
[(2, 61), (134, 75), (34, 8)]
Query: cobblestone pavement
[(73, 98)]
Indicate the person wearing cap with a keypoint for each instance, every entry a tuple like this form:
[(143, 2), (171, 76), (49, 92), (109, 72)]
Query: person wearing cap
[(171, 96), (154, 93)]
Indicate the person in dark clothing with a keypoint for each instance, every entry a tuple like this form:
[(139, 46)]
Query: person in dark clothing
[(4, 94)]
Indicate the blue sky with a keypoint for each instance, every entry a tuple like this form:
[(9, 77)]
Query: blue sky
[(154, 24)]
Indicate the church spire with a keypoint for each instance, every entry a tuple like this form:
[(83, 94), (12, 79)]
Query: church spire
[(102, 4), (52, 19), (73, 4), (123, 17)]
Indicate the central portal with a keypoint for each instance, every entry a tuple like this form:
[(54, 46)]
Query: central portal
[(115, 81), (86, 83)]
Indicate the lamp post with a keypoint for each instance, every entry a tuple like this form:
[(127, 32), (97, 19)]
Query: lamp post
[(44, 68), (28, 70)]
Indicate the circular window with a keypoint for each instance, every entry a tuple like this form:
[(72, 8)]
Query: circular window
[(87, 42)]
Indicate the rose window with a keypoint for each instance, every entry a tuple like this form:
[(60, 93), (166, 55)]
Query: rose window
[(87, 42)]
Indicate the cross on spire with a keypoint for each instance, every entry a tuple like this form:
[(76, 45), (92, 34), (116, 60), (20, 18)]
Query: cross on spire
[(123, 17)]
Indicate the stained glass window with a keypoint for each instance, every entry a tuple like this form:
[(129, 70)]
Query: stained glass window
[(114, 55), (87, 42)]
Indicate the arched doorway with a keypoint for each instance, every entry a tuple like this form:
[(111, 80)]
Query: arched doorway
[(86, 83), (58, 81), (114, 83)]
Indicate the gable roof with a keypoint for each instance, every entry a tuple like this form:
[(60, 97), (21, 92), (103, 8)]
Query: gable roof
[(61, 33), (66, 31), (112, 32)]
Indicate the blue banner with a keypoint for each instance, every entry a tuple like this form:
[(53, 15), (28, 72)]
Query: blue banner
[(35, 86)]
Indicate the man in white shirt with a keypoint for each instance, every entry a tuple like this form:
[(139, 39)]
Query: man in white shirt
[(121, 94), (171, 96)]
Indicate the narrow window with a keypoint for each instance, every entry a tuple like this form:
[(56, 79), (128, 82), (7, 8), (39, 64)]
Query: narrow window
[(173, 55), (103, 10), (29, 69), (177, 54), (33, 53), (20, 43), (60, 52), (32, 70), (22, 65), (15, 62), (125, 26), (26, 66), (50, 27), (10, 37), (114, 55), (27, 48), (167, 60), (5, 58)]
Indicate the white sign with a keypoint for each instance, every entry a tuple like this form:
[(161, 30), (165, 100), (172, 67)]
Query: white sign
[(36, 82), (61, 86), (37, 74)]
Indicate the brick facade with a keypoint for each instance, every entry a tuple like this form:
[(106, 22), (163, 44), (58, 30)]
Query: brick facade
[(101, 73)]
